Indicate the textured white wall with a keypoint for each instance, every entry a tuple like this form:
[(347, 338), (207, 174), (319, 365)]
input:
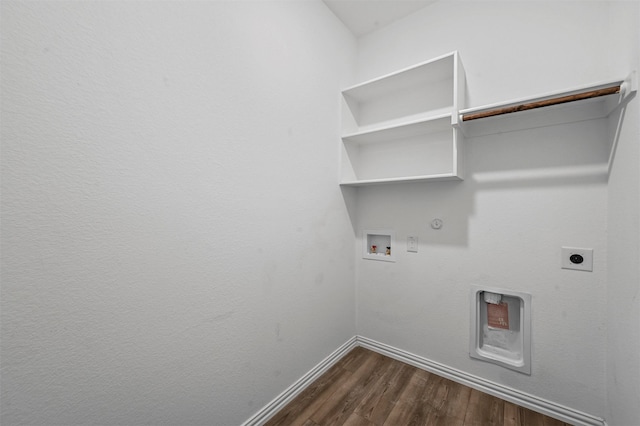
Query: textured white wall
[(526, 194), (623, 226), (175, 249), (524, 46)]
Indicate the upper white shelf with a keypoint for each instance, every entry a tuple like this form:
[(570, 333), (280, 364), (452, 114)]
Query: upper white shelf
[(581, 103), (425, 73)]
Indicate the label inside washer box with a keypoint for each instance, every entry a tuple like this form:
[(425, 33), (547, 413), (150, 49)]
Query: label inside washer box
[(498, 315)]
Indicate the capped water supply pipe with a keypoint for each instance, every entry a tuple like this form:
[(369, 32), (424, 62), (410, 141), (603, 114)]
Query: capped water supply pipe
[(493, 298)]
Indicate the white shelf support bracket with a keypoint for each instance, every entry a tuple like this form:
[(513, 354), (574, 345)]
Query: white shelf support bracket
[(629, 86)]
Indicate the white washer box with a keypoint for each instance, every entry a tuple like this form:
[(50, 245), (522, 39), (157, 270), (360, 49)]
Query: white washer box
[(381, 238)]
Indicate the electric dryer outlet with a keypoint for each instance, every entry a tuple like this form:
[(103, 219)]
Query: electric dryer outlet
[(580, 259)]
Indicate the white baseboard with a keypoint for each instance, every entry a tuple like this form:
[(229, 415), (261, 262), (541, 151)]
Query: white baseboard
[(540, 405), (269, 410), (534, 403)]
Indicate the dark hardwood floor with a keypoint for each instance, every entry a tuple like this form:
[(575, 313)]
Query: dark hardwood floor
[(368, 389)]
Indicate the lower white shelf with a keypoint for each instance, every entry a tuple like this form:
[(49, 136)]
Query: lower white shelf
[(426, 178), (432, 156)]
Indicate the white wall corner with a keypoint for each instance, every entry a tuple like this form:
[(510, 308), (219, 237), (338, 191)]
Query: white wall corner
[(270, 409)]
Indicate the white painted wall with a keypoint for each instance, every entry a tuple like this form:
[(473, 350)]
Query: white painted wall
[(175, 249), (526, 194), (623, 226)]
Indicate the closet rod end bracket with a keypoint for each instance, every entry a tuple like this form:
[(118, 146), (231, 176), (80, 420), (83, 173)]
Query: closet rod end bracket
[(629, 85)]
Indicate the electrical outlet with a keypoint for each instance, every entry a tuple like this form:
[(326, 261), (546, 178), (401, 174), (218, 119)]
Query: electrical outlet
[(580, 259)]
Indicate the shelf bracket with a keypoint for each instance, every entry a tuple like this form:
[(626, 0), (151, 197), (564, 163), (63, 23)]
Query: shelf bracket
[(629, 86)]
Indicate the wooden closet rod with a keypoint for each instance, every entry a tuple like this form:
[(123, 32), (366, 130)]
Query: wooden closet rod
[(544, 103)]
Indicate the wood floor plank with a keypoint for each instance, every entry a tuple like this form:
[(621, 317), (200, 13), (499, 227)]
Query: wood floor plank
[(550, 421), (406, 409), (432, 405), (356, 420), (531, 417), (483, 410), (305, 404), (365, 388), (448, 404), (339, 406), (520, 416), (424, 374), (399, 383), (377, 410), (457, 402), (354, 359), (515, 415), (378, 402), (511, 415)]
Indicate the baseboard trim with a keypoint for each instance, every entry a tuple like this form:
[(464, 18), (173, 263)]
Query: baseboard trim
[(269, 410), (551, 409), (540, 405)]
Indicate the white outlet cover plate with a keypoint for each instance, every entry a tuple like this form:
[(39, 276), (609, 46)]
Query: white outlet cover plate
[(586, 253), (412, 243)]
